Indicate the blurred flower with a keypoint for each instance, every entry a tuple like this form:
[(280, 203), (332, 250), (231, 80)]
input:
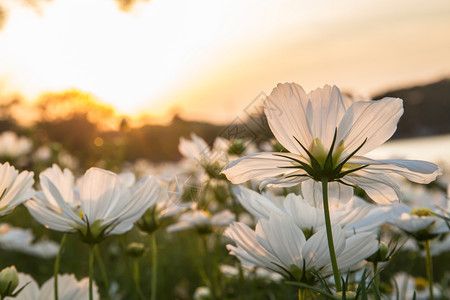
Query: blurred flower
[(21, 240), (406, 285), (202, 221), (166, 205), (42, 154), (102, 204), (279, 245), (323, 136), (420, 222), (12, 146), (250, 273), (69, 288), (202, 293), (15, 187)]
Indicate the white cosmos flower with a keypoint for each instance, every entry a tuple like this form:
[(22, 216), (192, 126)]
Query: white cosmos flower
[(356, 216), (22, 240), (69, 288), (420, 222), (15, 187), (101, 205), (325, 138), (279, 245)]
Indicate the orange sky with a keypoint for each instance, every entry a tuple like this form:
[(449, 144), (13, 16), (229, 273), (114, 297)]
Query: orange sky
[(209, 59)]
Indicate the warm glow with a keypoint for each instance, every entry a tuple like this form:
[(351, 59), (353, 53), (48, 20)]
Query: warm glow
[(210, 59)]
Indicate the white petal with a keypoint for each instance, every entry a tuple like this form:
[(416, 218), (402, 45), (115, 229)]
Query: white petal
[(30, 292), (49, 218), (379, 187), (285, 110), (337, 193), (316, 253), (224, 218), (285, 238), (260, 166), (357, 248), (145, 193), (325, 111), (303, 214), (100, 193), (374, 120), (415, 170), (255, 203)]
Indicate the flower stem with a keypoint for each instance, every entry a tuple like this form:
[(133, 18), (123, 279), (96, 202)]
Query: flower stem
[(100, 263), (91, 271), (376, 279), (154, 266), (326, 209), (136, 280), (56, 268), (429, 267)]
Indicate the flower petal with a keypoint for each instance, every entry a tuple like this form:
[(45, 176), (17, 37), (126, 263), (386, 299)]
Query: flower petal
[(415, 170), (285, 110), (260, 166), (324, 113), (374, 120), (255, 203), (379, 187)]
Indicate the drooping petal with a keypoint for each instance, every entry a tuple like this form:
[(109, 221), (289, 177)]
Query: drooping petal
[(261, 166), (415, 170), (380, 187), (255, 203), (285, 110), (324, 113), (374, 120), (303, 214)]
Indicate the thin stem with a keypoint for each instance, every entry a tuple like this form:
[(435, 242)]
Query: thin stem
[(337, 277), (429, 267), (100, 263), (91, 271), (154, 283), (57, 262), (136, 280), (376, 278)]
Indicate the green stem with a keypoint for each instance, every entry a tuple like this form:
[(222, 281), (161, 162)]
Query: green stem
[(326, 209), (57, 262), (136, 280), (376, 279), (91, 271), (154, 283), (429, 267), (100, 263)]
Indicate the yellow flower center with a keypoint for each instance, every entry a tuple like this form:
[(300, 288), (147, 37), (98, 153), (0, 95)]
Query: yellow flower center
[(421, 212)]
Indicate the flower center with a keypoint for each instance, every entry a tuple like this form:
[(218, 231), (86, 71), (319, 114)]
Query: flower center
[(421, 212)]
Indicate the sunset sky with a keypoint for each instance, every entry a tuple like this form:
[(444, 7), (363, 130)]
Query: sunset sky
[(209, 59)]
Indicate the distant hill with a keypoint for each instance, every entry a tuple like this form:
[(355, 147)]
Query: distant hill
[(427, 109)]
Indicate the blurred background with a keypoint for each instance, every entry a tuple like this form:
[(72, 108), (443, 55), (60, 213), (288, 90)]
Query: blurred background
[(101, 77)]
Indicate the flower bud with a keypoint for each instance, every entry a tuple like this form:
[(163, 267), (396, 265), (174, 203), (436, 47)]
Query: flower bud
[(381, 255), (135, 249), (9, 281)]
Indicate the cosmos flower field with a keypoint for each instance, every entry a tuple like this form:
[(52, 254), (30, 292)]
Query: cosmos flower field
[(307, 215)]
